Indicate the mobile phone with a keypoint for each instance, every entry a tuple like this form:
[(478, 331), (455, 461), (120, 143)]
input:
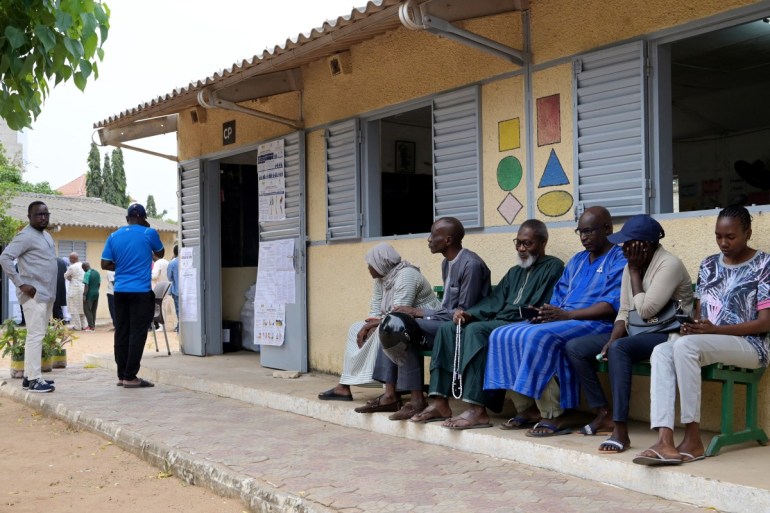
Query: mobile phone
[(684, 319), (528, 312)]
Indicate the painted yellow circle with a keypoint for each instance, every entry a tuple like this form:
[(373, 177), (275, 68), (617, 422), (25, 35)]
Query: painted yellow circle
[(555, 203)]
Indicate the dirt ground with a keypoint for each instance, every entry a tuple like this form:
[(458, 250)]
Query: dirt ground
[(45, 465)]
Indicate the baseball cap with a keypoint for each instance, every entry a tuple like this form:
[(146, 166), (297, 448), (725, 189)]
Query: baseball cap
[(136, 210), (639, 227)]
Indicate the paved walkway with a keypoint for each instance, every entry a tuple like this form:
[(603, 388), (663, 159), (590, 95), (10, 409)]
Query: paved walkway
[(291, 462)]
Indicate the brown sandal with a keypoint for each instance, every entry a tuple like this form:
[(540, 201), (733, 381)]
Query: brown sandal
[(407, 412), (374, 406)]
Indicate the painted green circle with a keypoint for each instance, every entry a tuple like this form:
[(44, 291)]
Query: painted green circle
[(509, 173)]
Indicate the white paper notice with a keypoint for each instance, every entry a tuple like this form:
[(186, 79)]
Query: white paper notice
[(188, 294), (186, 259), (275, 274), (271, 181), (269, 320)]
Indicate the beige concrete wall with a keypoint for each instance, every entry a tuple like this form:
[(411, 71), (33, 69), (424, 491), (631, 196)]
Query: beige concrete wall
[(95, 239)]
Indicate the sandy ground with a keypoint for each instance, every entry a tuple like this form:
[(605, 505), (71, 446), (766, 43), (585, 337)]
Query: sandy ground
[(45, 465)]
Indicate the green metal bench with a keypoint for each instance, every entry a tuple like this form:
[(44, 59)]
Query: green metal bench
[(729, 376)]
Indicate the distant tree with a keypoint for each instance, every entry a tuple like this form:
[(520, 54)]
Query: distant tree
[(94, 182), (44, 42), (11, 183), (106, 167), (119, 179), (152, 210), (108, 192)]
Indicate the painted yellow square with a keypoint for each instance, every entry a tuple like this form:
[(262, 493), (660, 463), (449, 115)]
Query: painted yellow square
[(509, 134)]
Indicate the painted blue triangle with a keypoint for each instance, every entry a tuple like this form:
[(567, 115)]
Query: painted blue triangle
[(554, 174)]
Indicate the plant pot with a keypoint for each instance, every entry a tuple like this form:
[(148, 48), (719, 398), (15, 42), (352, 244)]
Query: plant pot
[(17, 367), (46, 364), (59, 358)]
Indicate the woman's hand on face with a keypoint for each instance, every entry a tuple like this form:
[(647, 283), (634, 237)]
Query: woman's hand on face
[(636, 254), (698, 327)]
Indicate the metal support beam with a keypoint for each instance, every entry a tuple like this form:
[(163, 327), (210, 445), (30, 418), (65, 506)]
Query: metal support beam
[(420, 17), (214, 102)]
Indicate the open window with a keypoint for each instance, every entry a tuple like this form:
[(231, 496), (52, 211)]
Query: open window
[(715, 117), (395, 173)]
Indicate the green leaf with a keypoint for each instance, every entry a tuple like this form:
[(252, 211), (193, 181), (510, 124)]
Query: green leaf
[(100, 54), (85, 68), (89, 24), (29, 62), (80, 81), (101, 16), (75, 49), (89, 45), (15, 37), (95, 70), (103, 31), (5, 63), (63, 21), (46, 36)]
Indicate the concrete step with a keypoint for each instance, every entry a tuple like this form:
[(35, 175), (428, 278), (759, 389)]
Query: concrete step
[(732, 481)]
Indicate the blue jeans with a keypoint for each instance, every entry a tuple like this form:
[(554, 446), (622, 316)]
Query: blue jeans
[(623, 353), (175, 297)]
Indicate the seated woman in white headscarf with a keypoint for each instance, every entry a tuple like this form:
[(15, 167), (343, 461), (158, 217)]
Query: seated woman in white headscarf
[(396, 283)]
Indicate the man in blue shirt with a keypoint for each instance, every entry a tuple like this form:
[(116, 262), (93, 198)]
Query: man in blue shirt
[(128, 251), (173, 277)]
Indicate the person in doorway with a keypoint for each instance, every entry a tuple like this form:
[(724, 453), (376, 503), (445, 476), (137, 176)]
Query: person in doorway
[(173, 279), (74, 276), (529, 358), (730, 326), (527, 284), (111, 296), (159, 275), (466, 281), (128, 251), (92, 280), (61, 290), (396, 283), (652, 278), (34, 251)]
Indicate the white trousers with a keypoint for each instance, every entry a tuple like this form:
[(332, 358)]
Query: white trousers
[(36, 316), (677, 364)]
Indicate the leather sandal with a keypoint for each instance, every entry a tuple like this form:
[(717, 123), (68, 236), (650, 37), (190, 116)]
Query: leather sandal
[(407, 412), (375, 405)]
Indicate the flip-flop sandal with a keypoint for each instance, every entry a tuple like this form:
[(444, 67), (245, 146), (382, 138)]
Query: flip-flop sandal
[(554, 430), (473, 426), (518, 423), (657, 460), (587, 430), (142, 384), (407, 412), (615, 446), (689, 458), (426, 417), (119, 383), (331, 395)]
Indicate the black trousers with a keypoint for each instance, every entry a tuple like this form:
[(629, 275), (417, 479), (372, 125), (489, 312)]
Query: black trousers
[(133, 314)]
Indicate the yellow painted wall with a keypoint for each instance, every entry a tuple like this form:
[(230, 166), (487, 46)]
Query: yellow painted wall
[(235, 282), (564, 28), (94, 239)]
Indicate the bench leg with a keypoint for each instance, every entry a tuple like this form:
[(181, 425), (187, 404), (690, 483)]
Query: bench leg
[(752, 431)]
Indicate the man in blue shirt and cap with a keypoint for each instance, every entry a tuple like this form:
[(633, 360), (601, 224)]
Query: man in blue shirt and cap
[(128, 251)]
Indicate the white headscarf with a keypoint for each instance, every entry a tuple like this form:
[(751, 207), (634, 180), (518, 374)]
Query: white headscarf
[(387, 262)]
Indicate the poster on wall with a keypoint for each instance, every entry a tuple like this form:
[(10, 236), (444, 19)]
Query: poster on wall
[(188, 287), (275, 288), (271, 181)]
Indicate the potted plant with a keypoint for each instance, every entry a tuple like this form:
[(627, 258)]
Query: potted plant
[(12, 343), (57, 336)]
